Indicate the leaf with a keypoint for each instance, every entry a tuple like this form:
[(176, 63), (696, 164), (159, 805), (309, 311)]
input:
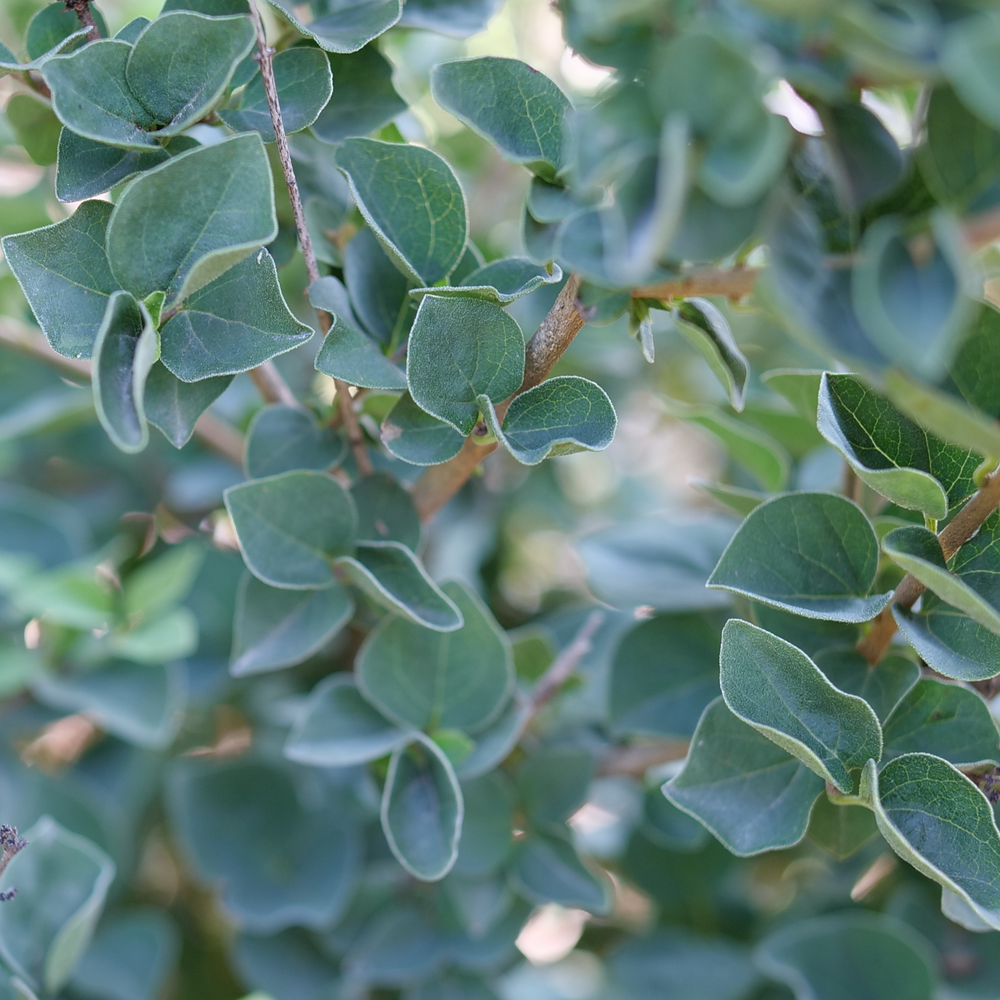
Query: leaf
[(501, 281), (883, 686), (547, 869), (303, 873), (182, 224), (422, 810), (890, 453), (946, 720), (413, 202), (51, 27), (736, 499), (87, 168), (133, 29), (664, 825), (343, 27), (958, 911), (664, 673), (385, 511), (347, 353), (35, 127), (288, 960), (399, 945), (519, 110), (561, 416), (461, 349), (662, 563), (705, 328), (850, 956), (378, 290), (968, 61), (416, 437), (743, 788), (171, 636), (553, 783), (950, 642), (143, 705), (841, 830), (124, 352), (91, 96), (158, 585), (459, 18), (290, 527), (364, 98), (487, 839), (391, 575), (814, 554), (799, 386), (337, 727), (936, 819), (304, 83), (175, 406), (280, 628), (777, 689), (439, 680), (495, 743), (69, 595), (65, 277), (62, 882), (284, 438)]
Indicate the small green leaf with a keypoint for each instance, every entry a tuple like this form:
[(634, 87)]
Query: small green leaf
[(952, 643), (890, 453), (459, 18), (946, 720), (124, 352), (391, 575), (461, 349), (385, 511), (53, 26), (131, 31), (563, 415), (704, 327), (486, 829), (799, 386), (666, 826), (291, 527), (413, 202), (304, 83), (182, 224), (777, 689), (175, 406), (35, 127), (432, 679), (339, 27), (87, 168), (521, 111), (883, 686), (377, 288), (69, 595), (547, 869), (552, 784), (501, 281), (867, 162), (364, 99), (743, 788), (337, 727), (968, 59), (285, 438), (496, 743), (418, 438), (734, 497), (814, 554), (162, 583), (398, 946), (65, 277), (841, 830), (422, 810), (936, 819), (277, 628)]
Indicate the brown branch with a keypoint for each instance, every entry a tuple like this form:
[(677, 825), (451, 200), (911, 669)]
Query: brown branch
[(563, 322), (959, 530), (271, 386), (733, 282), (265, 57), (86, 17), (635, 761)]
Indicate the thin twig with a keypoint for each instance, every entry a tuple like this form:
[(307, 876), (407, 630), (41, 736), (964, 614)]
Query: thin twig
[(86, 17), (265, 57), (733, 282), (635, 761), (271, 386), (564, 665)]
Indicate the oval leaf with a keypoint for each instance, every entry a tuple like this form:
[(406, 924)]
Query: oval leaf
[(339, 27), (284, 438), (705, 327), (547, 869), (414, 436)]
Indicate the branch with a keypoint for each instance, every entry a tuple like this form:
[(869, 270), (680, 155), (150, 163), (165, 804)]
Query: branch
[(265, 56), (564, 665), (564, 321), (86, 17), (635, 761), (959, 530)]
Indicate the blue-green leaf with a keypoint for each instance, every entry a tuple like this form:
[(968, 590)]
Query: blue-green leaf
[(343, 27), (501, 281), (547, 869), (416, 437), (285, 438), (364, 97), (175, 406)]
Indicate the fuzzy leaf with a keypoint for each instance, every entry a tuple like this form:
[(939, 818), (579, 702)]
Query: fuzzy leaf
[(364, 98), (951, 642), (704, 326), (385, 511), (285, 438), (416, 437), (883, 686), (378, 291), (87, 168), (343, 25), (501, 281), (175, 406)]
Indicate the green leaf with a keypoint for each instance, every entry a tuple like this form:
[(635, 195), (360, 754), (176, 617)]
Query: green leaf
[(946, 720), (841, 830), (495, 744), (9, 63), (385, 511), (347, 353), (337, 727), (124, 352), (158, 585), (290, 527), (280, 628), (774, 687), (282, 854), (416, 437), (364, 99), (131, 31), (391, 575), (519, 110), (487, 838), (552, 784), (35, 127), (951, 643), (547, 869), (799, 386), (561, 416), (91, 96), (814, 554), (413, 202), (936, 819), (284, 438), (422, 810), (850, 956), (501, 281), (175, 406), (883, 686), (736, 499), (459, 18), (181, 65), (304, 83), (743, 788), (69, 595), (705, 328), (65, 277), (143, 704), (890, 453), (461, 349), (87, 168), (182, 224), (666, 826), (664, 673), (62, 881), (439, 680), (968, 59), (214, 8), (171, 636), (343, 27), (378, 290), (52, 26)]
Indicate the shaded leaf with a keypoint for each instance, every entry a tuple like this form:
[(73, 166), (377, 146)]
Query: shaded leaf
[(289, 961), (35, 127), (398, 945), (841, 830), (501, 281), (952, 643), (799, 386), (487, 836), (883, 685), (87, 168), (547, 869), (667, 827), (343, 27), (416, 437), (377, 288), (704, 326), (175, 406), (968, 59), (866, 162), (460, 18), (284, 438), (385, 511), (552, 784), (495, 743)]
